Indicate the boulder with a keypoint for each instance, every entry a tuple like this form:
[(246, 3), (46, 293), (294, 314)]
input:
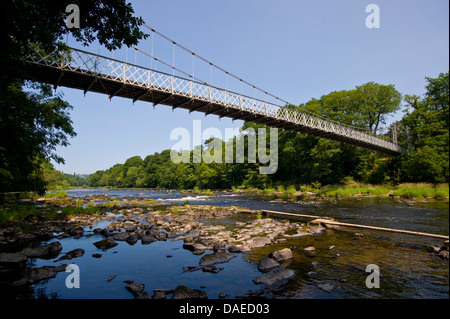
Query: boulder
[(49, 251), (183, 292), (281, 255), (121, 236), (106, 244), (137, 290), (274, 277), (309, 249), (72, 254), (216, 258), (258, 242), (212, 269), (267, 264), (12, 260), (35, 275)]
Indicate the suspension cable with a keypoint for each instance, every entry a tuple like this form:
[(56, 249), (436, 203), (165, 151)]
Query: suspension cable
[(236, 77)]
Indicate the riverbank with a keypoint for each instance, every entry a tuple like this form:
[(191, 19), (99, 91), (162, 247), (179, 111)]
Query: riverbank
[(406, 191)]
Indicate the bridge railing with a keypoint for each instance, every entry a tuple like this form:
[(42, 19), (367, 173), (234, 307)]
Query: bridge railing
[(103, 67)]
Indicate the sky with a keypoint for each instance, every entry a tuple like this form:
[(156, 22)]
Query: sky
[(294, 49)]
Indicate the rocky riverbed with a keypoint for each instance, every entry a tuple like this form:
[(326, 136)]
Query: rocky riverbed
[(196, 226), (214, 235)]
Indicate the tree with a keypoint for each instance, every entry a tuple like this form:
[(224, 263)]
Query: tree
[(377, 101), (428, 122), (34, 122)]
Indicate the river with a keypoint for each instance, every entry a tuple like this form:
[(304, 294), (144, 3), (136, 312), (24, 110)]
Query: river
[(407, 267)]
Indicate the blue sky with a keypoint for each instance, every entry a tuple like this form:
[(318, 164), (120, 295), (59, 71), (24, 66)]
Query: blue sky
[(294, 49)]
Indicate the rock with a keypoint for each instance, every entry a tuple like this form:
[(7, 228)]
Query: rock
[(121, 236), (159, 295), (137, 290), (216, 258), (267, 264), (281, 255), (191, 268), (147, 239), (331, 247), (35, 275), (222, 295), (309, 249), (258, 242), (317, 230), (220, 247), (443, 254), (106, 244), (72, 254), (358, 235), (12, 260), (183, 292), (49, 251), (237, 248), (212, 269), (76, 231), (326, 287), (314, 264), (97, 255), (274, 277), (111, 278)]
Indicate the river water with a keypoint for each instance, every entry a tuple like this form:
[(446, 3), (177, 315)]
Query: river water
[(407, 267)]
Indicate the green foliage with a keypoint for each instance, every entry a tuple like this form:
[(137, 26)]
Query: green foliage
[(311, 162), (34, 120)]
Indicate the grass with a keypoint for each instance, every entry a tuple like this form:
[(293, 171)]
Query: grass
[(422, 190), (18, 212), (406, 190)]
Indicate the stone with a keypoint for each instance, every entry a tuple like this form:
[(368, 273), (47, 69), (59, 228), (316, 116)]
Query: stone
[(121, 236), (222, 295), (159, 295), (111, 278), (97, 255), (220, 247), (443, 254), (77, 231), (274, 277), (72, 254), (106, 244), (137, 290), (191, 268), (212, 269), (309, 249), (147, 239), (282, 255), (258, 242), (216, 258), (326, 287), (48, 251), (183, 292), (267, 264), (35, 275), (12, 260)]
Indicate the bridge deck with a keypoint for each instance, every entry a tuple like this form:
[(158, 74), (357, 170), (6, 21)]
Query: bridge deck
[(89, 72)]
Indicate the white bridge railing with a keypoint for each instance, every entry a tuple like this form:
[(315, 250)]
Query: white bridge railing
[(103, 67)]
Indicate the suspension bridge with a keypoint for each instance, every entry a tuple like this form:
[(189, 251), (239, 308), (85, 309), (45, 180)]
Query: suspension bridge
[(92, 72)]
